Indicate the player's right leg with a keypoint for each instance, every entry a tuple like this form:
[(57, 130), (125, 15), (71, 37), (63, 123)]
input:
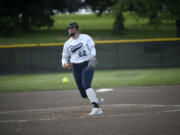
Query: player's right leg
[(78, 80)]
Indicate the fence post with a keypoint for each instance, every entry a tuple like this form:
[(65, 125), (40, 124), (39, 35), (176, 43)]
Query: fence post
[(58, 58), (16, 60), (31, 60), (162, 55), (117, 55)]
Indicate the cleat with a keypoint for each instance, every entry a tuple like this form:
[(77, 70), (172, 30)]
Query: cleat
[(100, 100), (96, 111)]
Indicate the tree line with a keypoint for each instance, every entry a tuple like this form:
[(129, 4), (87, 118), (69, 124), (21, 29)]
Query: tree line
[(22, 15)]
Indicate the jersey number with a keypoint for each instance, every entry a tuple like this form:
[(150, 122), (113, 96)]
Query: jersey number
[(82, 53)]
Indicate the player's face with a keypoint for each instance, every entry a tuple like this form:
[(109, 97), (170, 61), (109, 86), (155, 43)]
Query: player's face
[(72, 31)]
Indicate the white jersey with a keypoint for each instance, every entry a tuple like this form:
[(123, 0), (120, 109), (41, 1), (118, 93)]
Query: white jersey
[(79, 50)]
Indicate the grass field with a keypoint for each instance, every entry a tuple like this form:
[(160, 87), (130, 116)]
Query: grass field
[(100, 28), (102, 79)]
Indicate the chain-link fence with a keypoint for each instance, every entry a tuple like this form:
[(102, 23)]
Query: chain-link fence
[(110, 56)]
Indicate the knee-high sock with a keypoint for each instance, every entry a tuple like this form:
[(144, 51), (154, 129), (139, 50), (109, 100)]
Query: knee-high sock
[(91, 95)]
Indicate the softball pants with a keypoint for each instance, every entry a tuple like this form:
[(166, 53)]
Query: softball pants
[(83, 77)]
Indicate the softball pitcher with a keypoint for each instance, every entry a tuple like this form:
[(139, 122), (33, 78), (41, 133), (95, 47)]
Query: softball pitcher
[(79, 53)]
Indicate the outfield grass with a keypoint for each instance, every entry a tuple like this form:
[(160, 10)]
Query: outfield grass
[(102, 79), (100, 28)]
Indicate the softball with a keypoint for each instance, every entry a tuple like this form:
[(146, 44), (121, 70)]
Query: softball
[(65, 80)]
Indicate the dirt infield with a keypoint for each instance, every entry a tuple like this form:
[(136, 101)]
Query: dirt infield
[(150, 110)]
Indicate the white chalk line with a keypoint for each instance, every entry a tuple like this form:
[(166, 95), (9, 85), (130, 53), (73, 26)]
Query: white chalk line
[(81, 107), (45, 109), (84, 117)]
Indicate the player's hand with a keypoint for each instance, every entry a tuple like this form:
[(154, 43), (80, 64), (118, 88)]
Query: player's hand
[(67, 66)]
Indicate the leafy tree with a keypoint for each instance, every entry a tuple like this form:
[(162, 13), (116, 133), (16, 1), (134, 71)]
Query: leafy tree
[(29, 14), (100, 6), (143, 8), (172, 7), (9, 19), (151, 9), (119, 23)]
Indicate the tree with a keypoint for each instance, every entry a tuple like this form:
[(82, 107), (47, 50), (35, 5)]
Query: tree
[(9, 20), (151, 9), (143, 8), (100, 6), (119, 23), (26, 15), (172, 7)]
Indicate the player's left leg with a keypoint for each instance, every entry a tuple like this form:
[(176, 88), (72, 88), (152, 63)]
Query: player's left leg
[(87, 77)]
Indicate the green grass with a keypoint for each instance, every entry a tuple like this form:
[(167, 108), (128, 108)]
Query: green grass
[(100, 28), (102, 79)]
